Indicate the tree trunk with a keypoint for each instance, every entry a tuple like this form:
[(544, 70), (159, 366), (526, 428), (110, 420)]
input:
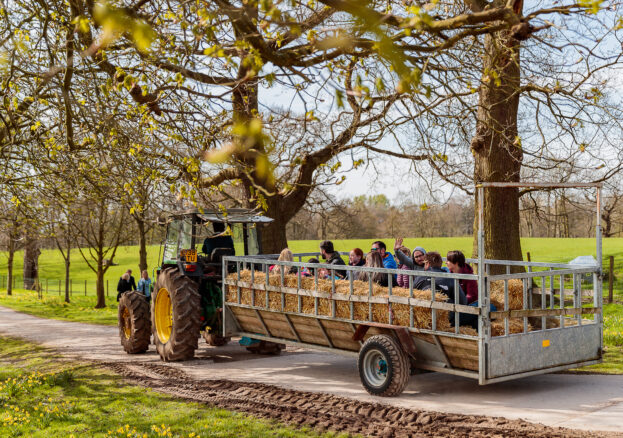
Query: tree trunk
[(497, 150), (607, 229), (9, 284), (142, 244), (101, 293), (67, 265), (273, 235), (31, 263)]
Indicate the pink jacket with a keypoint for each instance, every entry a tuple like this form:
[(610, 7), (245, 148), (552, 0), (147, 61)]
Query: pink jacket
[(403, 279)]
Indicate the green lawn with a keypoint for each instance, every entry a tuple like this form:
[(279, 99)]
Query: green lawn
[(41, 396), (53, 306)]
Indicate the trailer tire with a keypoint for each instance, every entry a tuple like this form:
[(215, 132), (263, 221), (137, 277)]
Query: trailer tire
[(383, 366), (134, 322), (176, 316)]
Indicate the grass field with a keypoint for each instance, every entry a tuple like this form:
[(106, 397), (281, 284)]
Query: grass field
[(51, 267), (42, 396)]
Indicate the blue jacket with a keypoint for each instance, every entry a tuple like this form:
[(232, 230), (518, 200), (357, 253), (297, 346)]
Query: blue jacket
[(144, 286), (389, 262)]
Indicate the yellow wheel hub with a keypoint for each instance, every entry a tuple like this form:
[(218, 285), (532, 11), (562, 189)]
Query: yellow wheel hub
[(163, 315), (127, 324)]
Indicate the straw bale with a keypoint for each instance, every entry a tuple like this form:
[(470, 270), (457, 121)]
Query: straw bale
[(380, 312), (515, 294), (515, 325), (465, 330)]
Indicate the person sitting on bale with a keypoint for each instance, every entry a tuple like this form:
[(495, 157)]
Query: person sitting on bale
[(355, 257), (432, 263), (403, 279), (456, 263), (374, 260), (332, 257), (415, 262), (218, 240), (309, 272), (386, 257), (285, 256)]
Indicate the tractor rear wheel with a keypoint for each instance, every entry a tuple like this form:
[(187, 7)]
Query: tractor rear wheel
[(176, 316), (134, 322)]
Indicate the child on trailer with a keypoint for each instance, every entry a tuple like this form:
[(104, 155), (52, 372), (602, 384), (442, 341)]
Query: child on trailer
[(324, 273), (403, 279)]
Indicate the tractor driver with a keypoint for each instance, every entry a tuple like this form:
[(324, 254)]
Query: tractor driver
[(218, 240)]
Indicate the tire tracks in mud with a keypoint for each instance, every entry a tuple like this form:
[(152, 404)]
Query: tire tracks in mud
[(328, 412)]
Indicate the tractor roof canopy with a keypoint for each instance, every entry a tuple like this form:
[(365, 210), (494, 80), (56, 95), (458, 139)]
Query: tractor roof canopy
[(230, 216)]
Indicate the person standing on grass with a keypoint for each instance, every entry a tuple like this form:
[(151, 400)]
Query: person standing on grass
[(132, 281), (144, 285), (124, 285)]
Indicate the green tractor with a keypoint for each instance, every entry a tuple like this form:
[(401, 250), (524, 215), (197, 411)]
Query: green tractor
[(187, 298)]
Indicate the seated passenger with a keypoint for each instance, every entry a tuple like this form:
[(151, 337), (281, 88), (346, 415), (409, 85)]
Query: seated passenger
[(403, 279), (355, 257), (309, 272), (456, 263), (386, 257), (416, 262), (285, 256), (217, 240), (432, 263), (325, 273), (332, 257), (374, 260)]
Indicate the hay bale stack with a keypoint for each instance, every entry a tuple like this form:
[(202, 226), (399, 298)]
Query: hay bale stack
[(515, 325), (515, 294), (380, 312)]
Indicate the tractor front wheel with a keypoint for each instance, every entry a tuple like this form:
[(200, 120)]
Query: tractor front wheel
[(134, 322), (176, 316)]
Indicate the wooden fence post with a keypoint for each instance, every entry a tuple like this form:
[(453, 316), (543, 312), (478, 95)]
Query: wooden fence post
[(106, 288), (611, 280), (71, 287), (85, 288)]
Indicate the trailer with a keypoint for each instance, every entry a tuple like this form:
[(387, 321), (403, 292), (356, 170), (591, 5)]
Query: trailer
[(545, 320)]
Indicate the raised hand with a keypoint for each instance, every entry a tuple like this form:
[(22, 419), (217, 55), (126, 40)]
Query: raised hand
[(398, 243)]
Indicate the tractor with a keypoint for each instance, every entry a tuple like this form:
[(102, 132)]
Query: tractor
[(187, 299)]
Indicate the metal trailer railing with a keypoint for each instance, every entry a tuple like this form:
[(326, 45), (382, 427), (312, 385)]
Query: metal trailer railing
[(557, 333)]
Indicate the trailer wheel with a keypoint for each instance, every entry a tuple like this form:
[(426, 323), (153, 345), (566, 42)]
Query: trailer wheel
[(134, 322), (383, 366), (176, 316)]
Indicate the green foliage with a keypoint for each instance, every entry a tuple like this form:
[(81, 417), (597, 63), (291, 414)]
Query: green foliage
[(116, 21)]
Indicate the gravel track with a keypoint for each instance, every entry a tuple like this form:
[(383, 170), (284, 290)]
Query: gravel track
[(328, 412)]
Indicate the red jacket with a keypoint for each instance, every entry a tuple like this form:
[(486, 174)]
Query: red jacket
[(470, 287)]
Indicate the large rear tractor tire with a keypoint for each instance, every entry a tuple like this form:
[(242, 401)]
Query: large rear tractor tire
[(134, 322), (384, 367), (176, 316)]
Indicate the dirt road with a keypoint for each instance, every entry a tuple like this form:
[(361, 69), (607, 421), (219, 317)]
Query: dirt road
[(323, 391)]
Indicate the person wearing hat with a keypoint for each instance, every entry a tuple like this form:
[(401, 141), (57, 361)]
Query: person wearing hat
[(416, 263)]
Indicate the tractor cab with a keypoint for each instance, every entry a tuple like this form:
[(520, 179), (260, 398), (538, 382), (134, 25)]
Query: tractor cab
[(196, 241)]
